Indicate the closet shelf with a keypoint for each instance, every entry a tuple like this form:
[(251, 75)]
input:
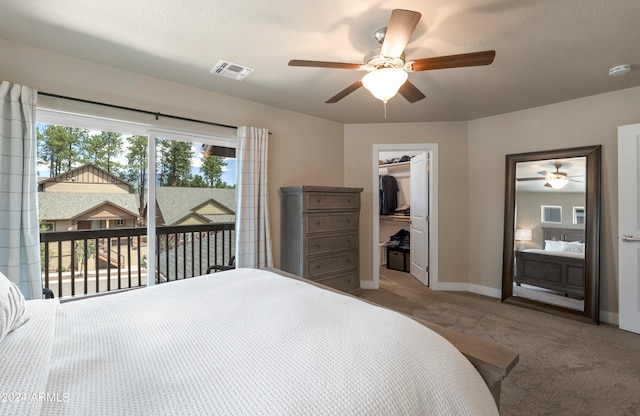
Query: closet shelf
[(396, 218), (392, 166)]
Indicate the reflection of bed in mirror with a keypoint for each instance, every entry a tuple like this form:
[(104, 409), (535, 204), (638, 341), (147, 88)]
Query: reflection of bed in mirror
[(559, 266)]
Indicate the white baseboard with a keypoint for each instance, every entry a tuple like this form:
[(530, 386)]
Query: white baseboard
[(368, 284), (470, 287), (607, 317), (486, 291)]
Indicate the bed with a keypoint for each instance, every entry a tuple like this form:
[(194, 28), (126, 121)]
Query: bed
[(244, 342), (559, 266)]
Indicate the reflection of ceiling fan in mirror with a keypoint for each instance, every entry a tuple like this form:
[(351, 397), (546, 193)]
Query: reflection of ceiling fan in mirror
[(555, 180), (387, 69)]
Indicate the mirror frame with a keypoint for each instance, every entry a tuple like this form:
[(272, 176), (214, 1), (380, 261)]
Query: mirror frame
[(591, 312)]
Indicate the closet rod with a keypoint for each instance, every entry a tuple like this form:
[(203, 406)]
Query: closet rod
[(156, 114)]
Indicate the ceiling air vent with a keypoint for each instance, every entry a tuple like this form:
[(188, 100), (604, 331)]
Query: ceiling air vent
[(230, 70)]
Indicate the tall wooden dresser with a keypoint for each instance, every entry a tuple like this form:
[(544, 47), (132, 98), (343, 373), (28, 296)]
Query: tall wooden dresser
[(320, 235)]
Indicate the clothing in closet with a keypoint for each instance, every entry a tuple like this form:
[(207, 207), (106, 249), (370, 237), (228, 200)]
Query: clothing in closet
[(388, 195)]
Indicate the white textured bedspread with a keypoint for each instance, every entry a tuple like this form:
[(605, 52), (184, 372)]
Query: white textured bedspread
[(244, 342)]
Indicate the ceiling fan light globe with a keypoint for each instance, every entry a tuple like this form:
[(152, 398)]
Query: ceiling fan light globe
[(557, 181), (384, 83)]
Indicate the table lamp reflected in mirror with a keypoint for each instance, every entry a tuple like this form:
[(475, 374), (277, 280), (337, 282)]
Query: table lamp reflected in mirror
[(523, 235)]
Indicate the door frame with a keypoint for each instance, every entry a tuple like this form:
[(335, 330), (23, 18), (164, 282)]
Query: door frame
[(432, 150)]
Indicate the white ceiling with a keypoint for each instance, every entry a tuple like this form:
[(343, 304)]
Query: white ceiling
[(546, 50)]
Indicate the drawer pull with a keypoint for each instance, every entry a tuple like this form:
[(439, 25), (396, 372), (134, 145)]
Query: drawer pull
[(318, 245), (318, 222), (318, 267)]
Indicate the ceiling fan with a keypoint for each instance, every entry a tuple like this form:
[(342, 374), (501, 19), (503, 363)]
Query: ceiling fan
[(387, 69), (556, 180)]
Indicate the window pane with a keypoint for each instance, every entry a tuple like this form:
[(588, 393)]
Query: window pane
[(195, 194), (551, 214), (91, 181), (578, 215)]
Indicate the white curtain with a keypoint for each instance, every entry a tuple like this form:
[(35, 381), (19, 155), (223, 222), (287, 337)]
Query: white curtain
[(253, 235), (19, 230)]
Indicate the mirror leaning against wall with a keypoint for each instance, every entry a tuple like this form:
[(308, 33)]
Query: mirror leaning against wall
[(552, 231)]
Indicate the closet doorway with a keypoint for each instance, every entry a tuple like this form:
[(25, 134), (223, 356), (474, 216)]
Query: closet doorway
[(412, 211)]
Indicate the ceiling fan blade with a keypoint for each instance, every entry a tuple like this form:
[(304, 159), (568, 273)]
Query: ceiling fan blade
[(531, 179), (339, 96), (323, 64), (454, 61), (399, 30), (410, 92)]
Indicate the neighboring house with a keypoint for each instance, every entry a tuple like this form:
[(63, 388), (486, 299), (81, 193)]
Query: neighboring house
[(88, 178), (90, 198), (87, 197), (67, 211), (187, 206)]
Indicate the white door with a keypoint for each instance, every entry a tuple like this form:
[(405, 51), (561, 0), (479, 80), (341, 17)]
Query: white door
[(419, 192), (629, 227)]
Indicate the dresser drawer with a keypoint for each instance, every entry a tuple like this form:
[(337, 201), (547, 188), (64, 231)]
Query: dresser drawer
[(316, 223), (329, 201), (316, 267), (321, 244), (344, 281)]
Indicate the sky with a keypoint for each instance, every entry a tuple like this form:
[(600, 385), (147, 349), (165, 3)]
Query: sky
[(228, 174)]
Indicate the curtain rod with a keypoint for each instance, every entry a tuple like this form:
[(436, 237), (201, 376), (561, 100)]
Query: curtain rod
[(156, 114)]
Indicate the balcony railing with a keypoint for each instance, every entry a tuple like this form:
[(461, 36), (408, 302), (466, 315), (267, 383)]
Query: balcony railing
[(95, 261)]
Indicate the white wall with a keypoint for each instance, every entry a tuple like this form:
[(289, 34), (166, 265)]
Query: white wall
[(586, 121), (302, 149), (472, 170), (453, 186)]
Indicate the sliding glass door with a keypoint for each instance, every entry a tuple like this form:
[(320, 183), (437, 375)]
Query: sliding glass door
[(99, 230)]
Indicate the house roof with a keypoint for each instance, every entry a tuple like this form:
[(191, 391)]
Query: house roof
[(546, 51), (103, 173), (68, 205), (175, 203)]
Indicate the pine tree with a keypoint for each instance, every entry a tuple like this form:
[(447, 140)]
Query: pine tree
[(212, 170)]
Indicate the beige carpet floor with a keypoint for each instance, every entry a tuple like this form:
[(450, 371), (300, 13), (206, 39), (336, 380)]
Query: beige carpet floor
[(566, 367)]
